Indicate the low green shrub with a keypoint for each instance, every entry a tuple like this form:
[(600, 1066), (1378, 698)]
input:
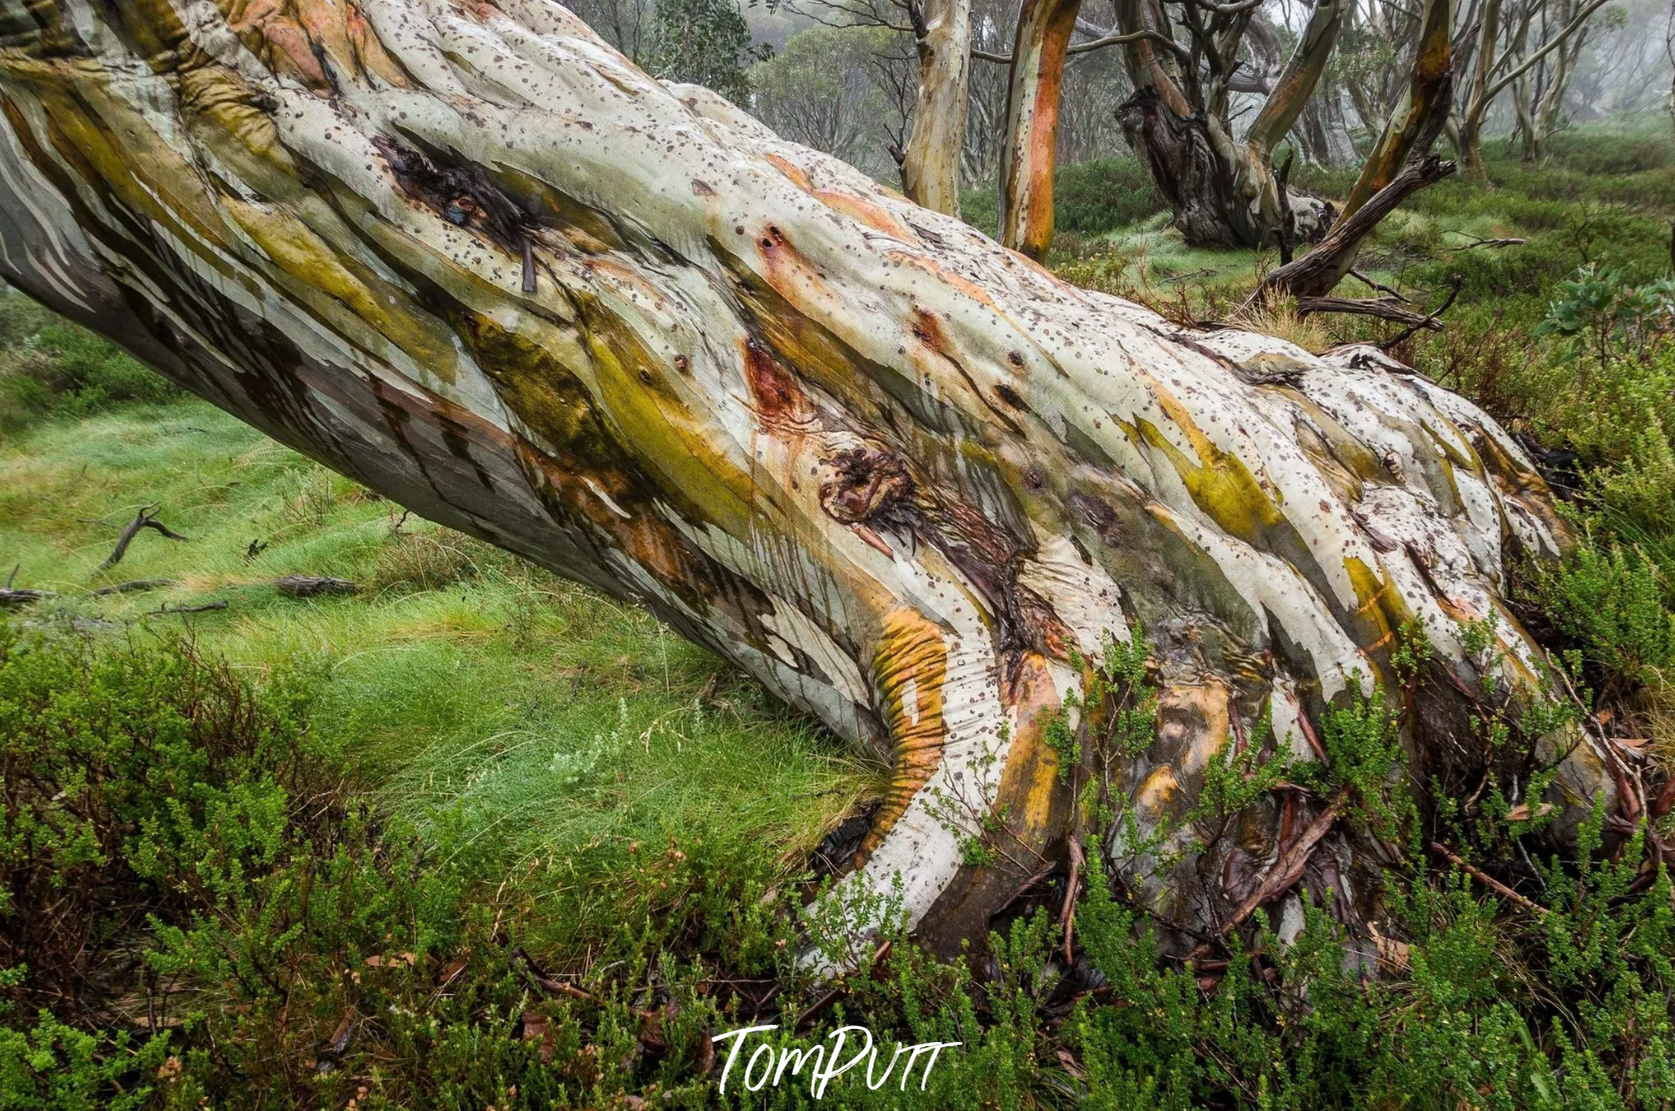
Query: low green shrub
[(1613, 603), (52, 368)]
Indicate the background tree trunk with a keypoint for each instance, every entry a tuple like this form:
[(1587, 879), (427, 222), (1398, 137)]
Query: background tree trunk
[(471, 257), (930, 168), (1429, 91), (1223, 192), (1032, 111), (1483, 61)]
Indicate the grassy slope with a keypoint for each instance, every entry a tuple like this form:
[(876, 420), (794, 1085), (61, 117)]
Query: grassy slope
[(494, 702), (1112, 231)]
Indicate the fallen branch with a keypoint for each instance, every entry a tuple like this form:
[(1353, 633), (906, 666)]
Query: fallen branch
[(1487, 880), (145, 518), (13, 598), (1315, 273), (312, 586), (1481, 242), (204, 608), (133, 586), (1385, 308)]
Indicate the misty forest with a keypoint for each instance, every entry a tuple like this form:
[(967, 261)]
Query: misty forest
[(686, 553)]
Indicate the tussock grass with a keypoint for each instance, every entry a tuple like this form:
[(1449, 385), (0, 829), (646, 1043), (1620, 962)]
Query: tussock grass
[(525, 723)]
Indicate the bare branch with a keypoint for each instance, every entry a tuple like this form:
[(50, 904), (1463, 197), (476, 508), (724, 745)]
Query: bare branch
[(146, 518), (1547, 47), (1319, 270)]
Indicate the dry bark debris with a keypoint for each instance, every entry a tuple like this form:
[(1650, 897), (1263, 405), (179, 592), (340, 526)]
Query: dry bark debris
[(145, 518), (1287, 869), (205, 607), (312, 586), (17, 597), (133, 586), (332, 1049)]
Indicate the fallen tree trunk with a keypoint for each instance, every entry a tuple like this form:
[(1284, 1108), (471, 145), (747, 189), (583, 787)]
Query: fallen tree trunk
[(472, 258)]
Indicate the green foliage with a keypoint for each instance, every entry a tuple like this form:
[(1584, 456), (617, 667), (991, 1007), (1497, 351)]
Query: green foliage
[(51, 1066), (134, 779), (1600, 313), (51, 368), (1476, 1007), (1614, 603), (827, 88), (702, 42)]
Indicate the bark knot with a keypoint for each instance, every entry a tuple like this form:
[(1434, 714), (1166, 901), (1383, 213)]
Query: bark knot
[(862, 483)]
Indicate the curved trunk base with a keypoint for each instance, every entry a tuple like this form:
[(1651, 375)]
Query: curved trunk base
[(1221, 192)]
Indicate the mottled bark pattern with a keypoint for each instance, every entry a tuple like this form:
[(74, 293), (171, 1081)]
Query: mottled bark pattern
[(468, 255)]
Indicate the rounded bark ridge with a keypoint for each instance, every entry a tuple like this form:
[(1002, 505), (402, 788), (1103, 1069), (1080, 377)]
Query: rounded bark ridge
[(468, 255)]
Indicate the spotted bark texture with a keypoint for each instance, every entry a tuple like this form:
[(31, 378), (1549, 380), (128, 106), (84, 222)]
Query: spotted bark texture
[(468, 255)]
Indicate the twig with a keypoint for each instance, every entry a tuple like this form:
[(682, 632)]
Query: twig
[(1067, 915), (145, 518), (1431, 319), (132, 587), (830, 997), (1487, 880), (1370, 284), (1479, 241), (541, 980)]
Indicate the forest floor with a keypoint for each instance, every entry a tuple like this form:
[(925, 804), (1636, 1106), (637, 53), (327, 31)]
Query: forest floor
[(566, 842)]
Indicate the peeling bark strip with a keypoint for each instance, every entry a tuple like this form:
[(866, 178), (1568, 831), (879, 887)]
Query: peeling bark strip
[(896, 472)]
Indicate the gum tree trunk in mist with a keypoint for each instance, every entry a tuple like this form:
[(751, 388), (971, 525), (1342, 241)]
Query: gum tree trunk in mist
[(930, 166), (469, 256)]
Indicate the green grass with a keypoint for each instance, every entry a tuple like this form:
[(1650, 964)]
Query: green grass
[(491, 702)]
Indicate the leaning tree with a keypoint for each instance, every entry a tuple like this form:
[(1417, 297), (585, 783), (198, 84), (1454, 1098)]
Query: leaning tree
[(469, 256)]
